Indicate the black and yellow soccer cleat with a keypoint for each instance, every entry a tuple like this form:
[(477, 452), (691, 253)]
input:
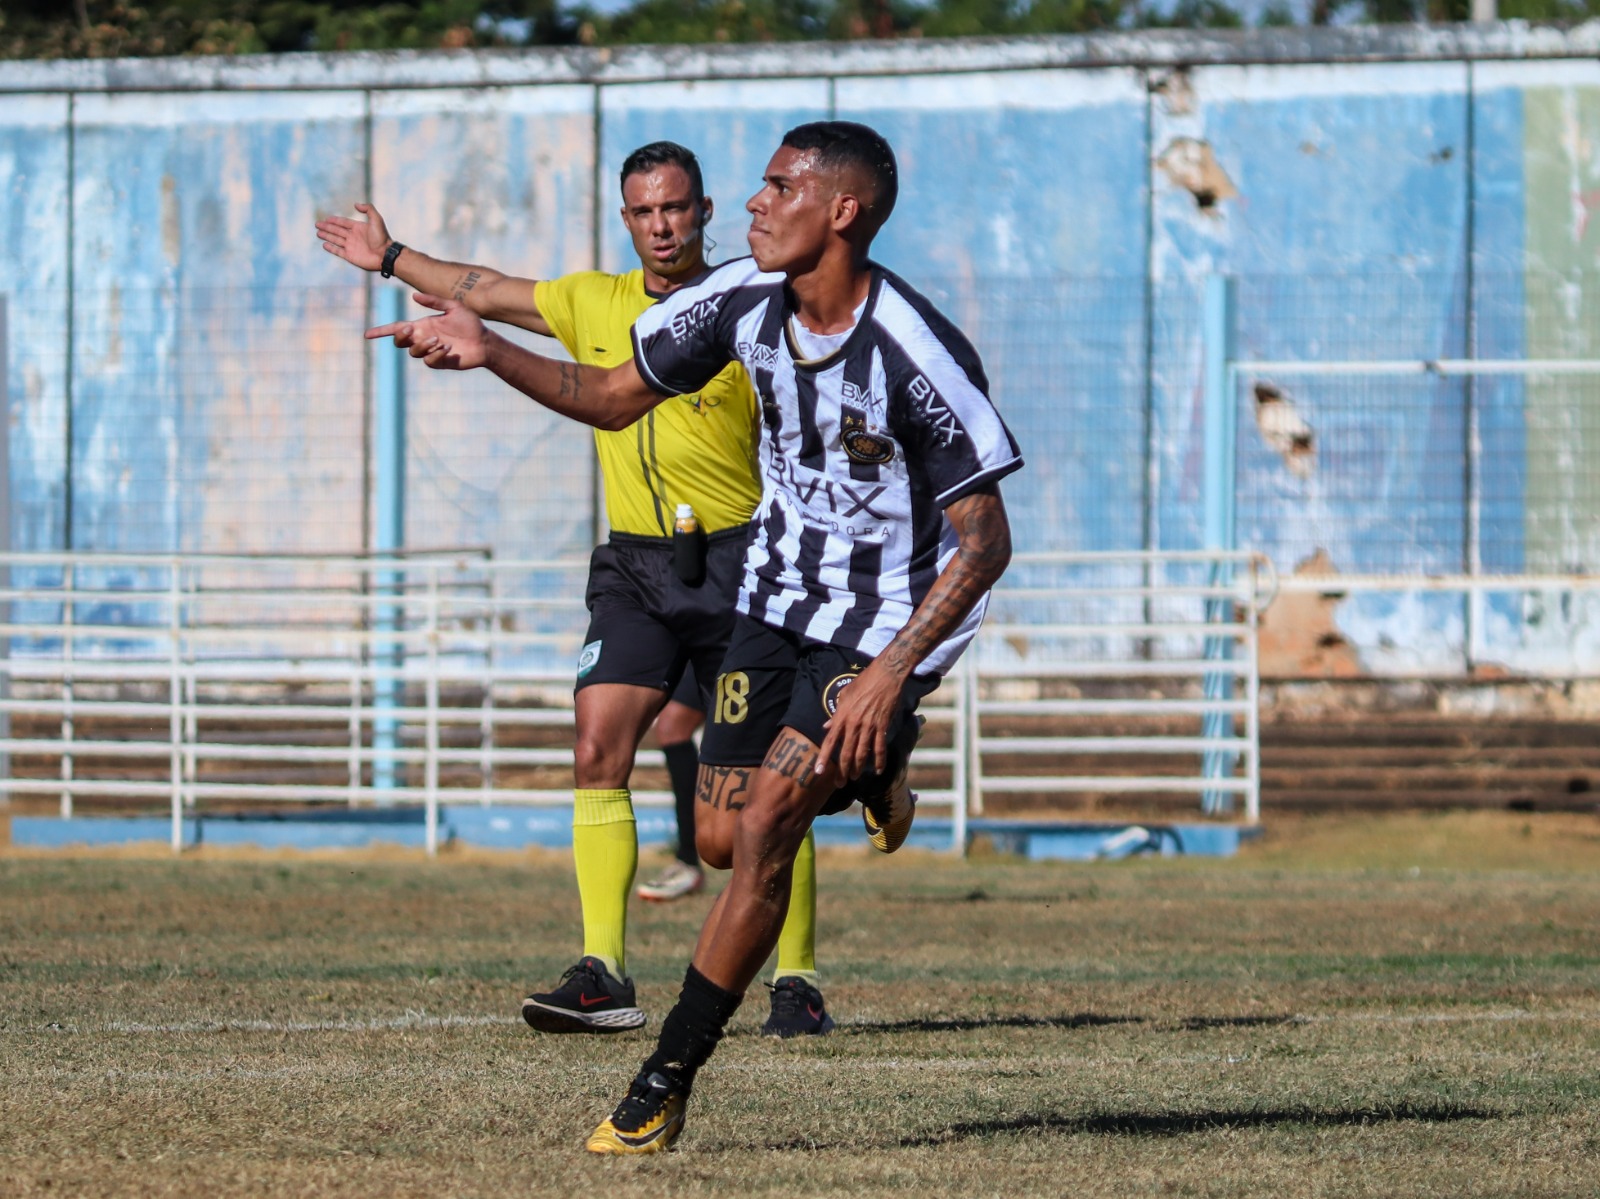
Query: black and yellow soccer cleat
[(888, 818), (889, 812), (648, 1120)]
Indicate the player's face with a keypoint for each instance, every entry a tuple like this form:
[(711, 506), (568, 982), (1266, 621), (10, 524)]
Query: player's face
[(665, 220), (793, 213)]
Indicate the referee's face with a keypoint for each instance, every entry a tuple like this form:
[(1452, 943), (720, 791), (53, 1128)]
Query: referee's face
[(664, 218), (792, 215)]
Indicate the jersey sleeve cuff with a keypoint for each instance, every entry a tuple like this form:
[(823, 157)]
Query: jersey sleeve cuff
[(645, 373), (977, 482)]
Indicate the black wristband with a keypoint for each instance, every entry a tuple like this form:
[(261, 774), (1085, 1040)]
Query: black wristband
[(389, 256)]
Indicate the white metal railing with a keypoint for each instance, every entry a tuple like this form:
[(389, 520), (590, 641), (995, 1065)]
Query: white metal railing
[(446, 678), (1108, 665)]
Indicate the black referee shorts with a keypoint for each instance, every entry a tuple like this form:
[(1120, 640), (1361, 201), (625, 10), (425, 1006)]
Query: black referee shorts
[(772, 679), (646, 624)]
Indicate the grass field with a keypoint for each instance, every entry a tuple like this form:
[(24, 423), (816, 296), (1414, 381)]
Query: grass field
[(1403, 1006)]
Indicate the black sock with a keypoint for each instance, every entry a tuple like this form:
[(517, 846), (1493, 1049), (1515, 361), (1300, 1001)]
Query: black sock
[(692, 1029), (683, 766)]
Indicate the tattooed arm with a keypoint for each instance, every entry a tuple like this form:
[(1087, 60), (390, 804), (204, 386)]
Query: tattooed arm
[(493, 296), (457, 340), (858, 733)]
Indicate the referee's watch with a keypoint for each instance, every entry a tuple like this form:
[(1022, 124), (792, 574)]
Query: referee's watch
[(389, 257)]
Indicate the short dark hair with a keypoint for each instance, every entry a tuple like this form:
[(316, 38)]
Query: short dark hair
[(845, 144), (660, 154)]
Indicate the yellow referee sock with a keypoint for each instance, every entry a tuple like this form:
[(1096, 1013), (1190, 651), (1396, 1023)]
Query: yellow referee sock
[(797, 942), (605, 850)]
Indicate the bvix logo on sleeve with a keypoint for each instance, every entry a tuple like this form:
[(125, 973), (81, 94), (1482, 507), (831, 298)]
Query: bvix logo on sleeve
[(695, 317), (945, 426)]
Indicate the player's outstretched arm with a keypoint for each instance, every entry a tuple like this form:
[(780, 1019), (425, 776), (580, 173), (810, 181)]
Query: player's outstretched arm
[(858, 732), (492, 295), (458, 340)]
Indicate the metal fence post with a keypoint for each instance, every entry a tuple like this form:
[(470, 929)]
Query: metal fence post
[(1221, 416), (430, 770), (5, 539), (388, 653), (69, 608), (958, 766), (175, 694), (973, 747)]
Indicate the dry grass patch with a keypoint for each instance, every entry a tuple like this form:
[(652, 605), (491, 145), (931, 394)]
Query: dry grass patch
[(1380, 1006)]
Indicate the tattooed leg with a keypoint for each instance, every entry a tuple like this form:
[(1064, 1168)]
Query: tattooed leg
[(720, 794), (782, 799)]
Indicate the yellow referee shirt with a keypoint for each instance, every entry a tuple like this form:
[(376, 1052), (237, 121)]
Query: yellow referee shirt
[(695, 449)]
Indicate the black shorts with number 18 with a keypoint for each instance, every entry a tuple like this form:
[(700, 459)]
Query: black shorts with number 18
[(771, 679)]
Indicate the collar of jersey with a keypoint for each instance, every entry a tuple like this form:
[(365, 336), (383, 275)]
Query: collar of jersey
[(814, 365), (657, 296)]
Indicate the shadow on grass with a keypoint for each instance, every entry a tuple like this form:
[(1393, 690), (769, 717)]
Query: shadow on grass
[(1075, 1020), (1201, 1023), (1169, 1124), (973, 1023)]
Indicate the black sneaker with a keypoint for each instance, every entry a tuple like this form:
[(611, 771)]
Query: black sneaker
[(797, 1010), (589, 998), (648, 1120)]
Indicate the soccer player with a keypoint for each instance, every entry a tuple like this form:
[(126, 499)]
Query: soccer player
[(880, 532), (646, 624)]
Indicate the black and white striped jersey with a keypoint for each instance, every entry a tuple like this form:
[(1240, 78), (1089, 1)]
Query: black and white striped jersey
[(864, 449)]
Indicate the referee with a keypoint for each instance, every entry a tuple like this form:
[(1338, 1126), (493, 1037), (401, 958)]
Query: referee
[(647, 624)]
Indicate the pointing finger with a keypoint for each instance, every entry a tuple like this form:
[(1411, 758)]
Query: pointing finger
[(828, 748)]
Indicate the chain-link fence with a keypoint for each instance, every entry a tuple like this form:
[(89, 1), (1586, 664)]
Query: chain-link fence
[(225, 420)]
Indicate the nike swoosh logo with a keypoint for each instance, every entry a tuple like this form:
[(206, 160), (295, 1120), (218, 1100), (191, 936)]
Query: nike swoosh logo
[(655, 1134), (816, 1013), (587, 1002)]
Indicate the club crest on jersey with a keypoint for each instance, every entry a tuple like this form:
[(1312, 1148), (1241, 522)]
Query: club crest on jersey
[(862, 445), (834, 689)]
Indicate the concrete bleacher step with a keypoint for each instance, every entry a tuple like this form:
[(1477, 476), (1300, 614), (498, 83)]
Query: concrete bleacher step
[(1384, 760)]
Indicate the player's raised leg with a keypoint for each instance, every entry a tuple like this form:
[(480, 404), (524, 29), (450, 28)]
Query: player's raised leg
[(798, 1008), (735, 941)]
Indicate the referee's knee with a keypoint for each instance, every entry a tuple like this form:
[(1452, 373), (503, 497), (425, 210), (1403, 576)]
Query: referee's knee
[(597, 763)]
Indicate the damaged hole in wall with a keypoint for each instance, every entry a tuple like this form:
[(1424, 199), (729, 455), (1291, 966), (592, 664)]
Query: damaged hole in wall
[(1285, 430), (1192, 165), (1176, 92), (1300, 637)]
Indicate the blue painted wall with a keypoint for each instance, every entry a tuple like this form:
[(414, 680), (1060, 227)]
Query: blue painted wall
[(220, 393)]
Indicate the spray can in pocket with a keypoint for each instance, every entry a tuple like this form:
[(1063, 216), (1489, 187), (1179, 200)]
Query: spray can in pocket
[(688, 547)]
